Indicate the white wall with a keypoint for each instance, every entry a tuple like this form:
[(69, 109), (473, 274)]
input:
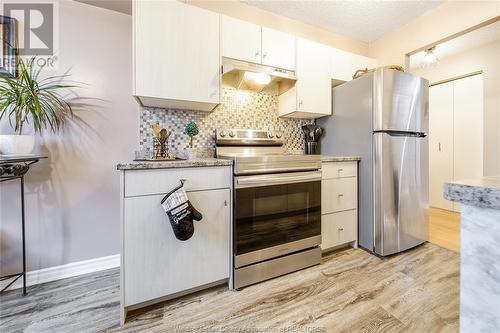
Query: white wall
[(486, 59), (72, 205), (441, 22)]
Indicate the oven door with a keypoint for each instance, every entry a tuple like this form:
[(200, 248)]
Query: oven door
[(276, 214)]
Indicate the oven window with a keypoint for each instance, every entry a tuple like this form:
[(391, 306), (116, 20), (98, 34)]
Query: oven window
[(274, 215)]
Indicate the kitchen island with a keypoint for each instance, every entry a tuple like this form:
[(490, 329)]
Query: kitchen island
[(479, 252)]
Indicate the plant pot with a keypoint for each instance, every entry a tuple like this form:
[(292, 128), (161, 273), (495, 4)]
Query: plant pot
[(191, 153), (17, 144)]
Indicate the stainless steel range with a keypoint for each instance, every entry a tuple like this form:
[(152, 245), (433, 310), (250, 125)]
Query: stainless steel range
[(277, 206)]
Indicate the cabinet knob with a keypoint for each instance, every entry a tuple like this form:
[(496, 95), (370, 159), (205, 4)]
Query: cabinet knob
[(257, 53), (265, 54), (300, 103), (225, 202), (341, 229), (340, 170), (341, 194)]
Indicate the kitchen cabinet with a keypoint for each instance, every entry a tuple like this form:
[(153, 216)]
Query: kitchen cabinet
[(246, 41), (339, 204), (455, 135), (241, 40), (155, 265), (176, 55), (278, 49), (311, 97), (345, 64)]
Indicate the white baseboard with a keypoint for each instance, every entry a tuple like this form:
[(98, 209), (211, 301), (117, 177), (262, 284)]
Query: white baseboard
[(65, 271)]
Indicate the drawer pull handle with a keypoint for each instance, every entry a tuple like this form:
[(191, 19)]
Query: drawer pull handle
[(225, 202), (341, 229), (340, 170), (341, 195)]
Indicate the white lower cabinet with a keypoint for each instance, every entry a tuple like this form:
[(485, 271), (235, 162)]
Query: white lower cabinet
[(155, 264), (339, 204), (339, 228)]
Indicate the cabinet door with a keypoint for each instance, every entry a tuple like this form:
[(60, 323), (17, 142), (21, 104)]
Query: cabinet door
[(345, 64), (157, 264), (278, 49), (440, 143), (314, 86), (176, 49), (241, 40)]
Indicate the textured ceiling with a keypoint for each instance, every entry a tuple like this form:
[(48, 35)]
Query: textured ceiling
[(365, 20)]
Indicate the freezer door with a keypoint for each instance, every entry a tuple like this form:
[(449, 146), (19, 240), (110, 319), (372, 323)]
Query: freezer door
[(401, 191), (400, 101)]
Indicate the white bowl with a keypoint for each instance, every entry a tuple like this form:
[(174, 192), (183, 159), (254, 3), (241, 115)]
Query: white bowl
[(17, 144)]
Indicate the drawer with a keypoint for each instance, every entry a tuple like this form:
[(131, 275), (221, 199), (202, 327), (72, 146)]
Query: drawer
[(149, 182), (339, 194), (339, 169), (339, 228)]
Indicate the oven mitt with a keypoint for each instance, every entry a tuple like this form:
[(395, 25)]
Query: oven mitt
[(180, 212)]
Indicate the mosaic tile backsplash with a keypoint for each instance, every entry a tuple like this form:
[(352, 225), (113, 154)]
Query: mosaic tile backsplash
[(239, 109)]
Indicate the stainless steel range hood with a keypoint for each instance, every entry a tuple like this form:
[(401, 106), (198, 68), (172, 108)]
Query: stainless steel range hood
[(276, 80)]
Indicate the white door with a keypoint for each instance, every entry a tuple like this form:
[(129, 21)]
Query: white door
[(314, 86), (241, 40), (455, 135), (176, 51), (157, 264), (440, 143), (468, 128), (278, 49)]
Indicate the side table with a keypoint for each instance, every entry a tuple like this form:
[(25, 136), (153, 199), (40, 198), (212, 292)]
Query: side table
[(15, 167)]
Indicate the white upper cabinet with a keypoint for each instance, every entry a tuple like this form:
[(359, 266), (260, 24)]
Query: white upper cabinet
[(176, 55), (345, 64), (246, 41), (311, 97), (241, 40), (278, 49)]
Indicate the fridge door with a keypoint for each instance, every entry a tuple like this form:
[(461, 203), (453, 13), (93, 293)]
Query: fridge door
[(400, 181), (400, 101)]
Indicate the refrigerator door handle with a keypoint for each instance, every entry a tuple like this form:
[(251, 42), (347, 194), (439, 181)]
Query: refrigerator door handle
[(403, 133)]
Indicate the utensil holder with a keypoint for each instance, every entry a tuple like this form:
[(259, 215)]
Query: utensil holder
[(311, 148)]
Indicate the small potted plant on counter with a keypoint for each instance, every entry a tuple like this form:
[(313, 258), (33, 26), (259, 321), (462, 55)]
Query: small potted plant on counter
[(191, 130), (29, 99)]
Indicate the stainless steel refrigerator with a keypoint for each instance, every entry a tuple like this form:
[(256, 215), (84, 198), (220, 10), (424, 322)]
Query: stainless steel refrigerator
[(383, 118)]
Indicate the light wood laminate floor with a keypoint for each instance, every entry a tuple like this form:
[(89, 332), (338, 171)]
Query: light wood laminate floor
[(351, 291), (444, 228)]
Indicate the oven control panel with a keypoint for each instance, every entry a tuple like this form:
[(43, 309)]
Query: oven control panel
[(247, 137)]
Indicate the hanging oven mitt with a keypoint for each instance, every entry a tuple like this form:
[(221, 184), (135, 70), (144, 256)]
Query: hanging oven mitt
[(180, 212)]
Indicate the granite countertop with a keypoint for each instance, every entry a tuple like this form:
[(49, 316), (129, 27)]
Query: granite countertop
[(326, 158), (481, 192), (206, 162), (194, 163)]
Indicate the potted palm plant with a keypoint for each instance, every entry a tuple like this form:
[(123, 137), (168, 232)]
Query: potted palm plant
[(30, 99)]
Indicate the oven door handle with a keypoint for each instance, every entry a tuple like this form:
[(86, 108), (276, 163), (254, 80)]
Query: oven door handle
[(277, 179)]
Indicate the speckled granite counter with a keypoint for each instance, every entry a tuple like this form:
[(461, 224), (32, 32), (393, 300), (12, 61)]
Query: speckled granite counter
[(479, 252), (483, 192), (326, 158), (194, 163)]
